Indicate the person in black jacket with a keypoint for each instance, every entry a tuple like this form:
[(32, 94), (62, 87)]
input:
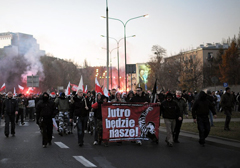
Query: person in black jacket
[(140, 97), (45, 111), (200, 112), (10, 109), (79, 109), (170, 112)]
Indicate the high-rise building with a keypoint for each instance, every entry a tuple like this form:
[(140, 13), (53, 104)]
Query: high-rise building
[(19, 44)]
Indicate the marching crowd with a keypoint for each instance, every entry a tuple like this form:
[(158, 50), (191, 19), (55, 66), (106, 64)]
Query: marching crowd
[(83, 111)]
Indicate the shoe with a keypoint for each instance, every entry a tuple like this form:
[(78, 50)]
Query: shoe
[(139, 143), (23, 123), (89, 132), (95, 143), (6, 135), (106, 144), (119, 143), (60, 133), (80, 144), (44, 146), (176, 141), (85, 131)]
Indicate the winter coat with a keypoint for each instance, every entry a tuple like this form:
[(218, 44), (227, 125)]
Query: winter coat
[(170, 110), (78, 107), (62, 104), (45, 109), (226, 101), (202, 106), (138, 98), (182, 106), (10, 106)]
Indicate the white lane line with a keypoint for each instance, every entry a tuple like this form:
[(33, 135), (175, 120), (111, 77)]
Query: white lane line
[(61, 145), (84, 161)]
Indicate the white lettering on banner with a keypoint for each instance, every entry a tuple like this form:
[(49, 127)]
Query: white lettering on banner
[(116, 133), (118, 112), (120, 123)]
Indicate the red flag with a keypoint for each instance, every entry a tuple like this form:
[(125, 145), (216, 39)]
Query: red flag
[(98, 88), (74, 87), (3, 87)]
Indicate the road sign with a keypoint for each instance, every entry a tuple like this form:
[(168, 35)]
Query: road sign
[(32, 81), (225, 84), (131, 68)]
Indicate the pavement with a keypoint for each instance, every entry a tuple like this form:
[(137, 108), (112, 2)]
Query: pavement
[(210, 139)]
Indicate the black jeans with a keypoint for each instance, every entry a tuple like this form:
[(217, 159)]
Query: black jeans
[(80, 128), (177, 129), (9, 118), (47, 130), (20, 113), (203, 128), (228, 114)]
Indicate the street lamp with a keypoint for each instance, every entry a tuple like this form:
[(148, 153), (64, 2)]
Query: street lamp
[(125, 45), (110, 62), (118, 41)]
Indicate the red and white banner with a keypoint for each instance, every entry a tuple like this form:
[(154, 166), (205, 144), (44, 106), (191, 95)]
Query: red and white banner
[(74, 87), (3, 87), (130, 121)]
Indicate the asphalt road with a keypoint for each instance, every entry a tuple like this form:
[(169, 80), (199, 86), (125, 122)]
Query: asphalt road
[(25, 151)]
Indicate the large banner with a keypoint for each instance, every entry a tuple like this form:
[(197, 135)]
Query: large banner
[(130, 121)]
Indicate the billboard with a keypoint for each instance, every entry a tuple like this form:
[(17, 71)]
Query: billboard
[(142, 72)]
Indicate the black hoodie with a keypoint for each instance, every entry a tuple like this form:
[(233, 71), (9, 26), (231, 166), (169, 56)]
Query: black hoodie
[(45, 108), (202, 106)]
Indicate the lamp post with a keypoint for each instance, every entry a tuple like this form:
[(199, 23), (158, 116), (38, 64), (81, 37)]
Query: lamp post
[(107, 29), (125, 45), (110, 62), (118, 41)]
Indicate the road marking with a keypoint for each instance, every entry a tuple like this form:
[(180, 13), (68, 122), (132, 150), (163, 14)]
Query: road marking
[(61, 145), (84, 161)]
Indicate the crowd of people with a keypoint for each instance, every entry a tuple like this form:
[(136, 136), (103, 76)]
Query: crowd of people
[(73, 111)]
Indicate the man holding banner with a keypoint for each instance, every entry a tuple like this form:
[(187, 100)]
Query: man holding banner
[(131, 121)]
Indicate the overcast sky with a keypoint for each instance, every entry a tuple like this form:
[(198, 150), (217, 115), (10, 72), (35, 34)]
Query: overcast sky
[(72, 28)]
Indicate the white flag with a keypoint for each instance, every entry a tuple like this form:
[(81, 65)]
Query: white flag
[(20, 87), (80, 85)]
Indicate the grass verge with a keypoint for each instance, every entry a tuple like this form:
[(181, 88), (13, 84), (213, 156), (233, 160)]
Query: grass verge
[(217, 130)]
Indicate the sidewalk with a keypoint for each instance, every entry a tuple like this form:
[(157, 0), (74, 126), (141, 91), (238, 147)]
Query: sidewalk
[(211, 139)]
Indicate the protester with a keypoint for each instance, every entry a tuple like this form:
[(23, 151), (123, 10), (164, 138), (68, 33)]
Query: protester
[(31, 107), (227, 105), (140, 97), (183, 111), (98, 119), (200, 112), (62, 104), (9, 110), (21, 107), (170, 112), (79, 110)]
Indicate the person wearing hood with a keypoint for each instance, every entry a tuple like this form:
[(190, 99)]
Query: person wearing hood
[(183, 111), (45, 111), (200, 112), (227, 105), (62, 104), (170, 112), (79, 109), (10, 109), (129, 96)]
